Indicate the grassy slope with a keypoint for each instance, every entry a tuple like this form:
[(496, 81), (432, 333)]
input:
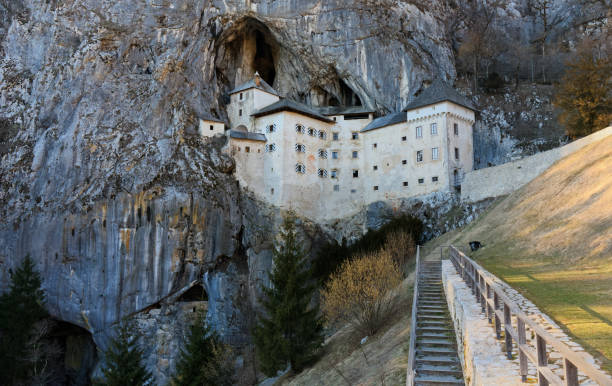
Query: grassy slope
[(552, 240)]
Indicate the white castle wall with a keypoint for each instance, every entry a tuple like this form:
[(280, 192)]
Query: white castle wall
[(504, 179)]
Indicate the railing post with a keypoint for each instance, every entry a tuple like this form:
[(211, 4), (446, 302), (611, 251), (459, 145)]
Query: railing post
[(507, 326), (495, 316), (571, 373), (542, 359), (483, 300), (489, 313), (522, 339)]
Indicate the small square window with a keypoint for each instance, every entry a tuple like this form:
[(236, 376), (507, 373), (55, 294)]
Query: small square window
[(335, 136), (334, 155), (375, 187), (272, 191), (456, 153), (354, 135), (241, 96), (240, 112), (421, 180), (355, 154), (404, 162), (355, 173), (211, 127), (336, 188), (247, 149), (404, 138), (405, 183), (419, 156), (456, 128), (334, 119), (353, 190), (375, 167), (334, 174), (375, 145), (434, 179)]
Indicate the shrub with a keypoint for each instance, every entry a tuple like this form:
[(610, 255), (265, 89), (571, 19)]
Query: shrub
[(401, 247), (360, 293)]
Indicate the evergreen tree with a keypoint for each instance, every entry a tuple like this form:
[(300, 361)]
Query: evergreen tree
[(20, 309), (585, 94), (204, 360), (124, 359), (291, 330)]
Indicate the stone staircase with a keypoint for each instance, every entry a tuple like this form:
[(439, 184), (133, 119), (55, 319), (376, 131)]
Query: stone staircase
[(436, 360)]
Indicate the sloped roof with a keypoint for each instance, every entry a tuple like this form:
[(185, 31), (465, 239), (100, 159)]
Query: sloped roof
[(387, 120), (263, 85), (247, 135), (290, 105), (341, 110), (208, 117), (439, 91)]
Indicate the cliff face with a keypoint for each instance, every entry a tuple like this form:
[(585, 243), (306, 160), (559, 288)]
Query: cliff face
[(104, 184)]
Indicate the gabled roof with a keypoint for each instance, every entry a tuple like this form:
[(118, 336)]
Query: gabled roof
[(290, 105), (263, 85), (247, 135), (341, 110), (439, 91), (208, 117), (387, 120)]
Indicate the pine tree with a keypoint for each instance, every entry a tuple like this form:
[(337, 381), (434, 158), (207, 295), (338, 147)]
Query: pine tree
[(204, 360), (20, 309), (585, 94), (124, 359), (291, 330)]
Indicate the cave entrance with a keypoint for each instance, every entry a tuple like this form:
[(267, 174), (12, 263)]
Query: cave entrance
[(244, 49), (77, 354), (196, 293)]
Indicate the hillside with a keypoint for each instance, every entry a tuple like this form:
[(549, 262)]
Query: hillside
[(552, 240)]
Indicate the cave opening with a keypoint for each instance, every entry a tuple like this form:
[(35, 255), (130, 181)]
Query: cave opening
[(76, 354), (244, 49), (196, 293), (348, 96)]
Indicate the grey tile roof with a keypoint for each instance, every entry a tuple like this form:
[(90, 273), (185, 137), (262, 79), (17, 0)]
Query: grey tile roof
[(290, 105), (208, 117), (439, 91), (247, 135), (387, 120), (263, 85), (340, 110)]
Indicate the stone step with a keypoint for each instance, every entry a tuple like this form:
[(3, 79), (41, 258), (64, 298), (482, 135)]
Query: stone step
[(438, 359), (436, 329), (433, 322), (431, 317), (452, 370), (429, 350), (437, 380), (435, 335), (434, 342), (431, 308)]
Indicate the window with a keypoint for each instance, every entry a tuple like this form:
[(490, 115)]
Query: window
[(240, 96), (405, 183), (456, 128), (322, 153), (312, 132), (300, 168), (334, 119), (299, 129), (355, 154), (375, 187), (334, 173), (420, 156), (322, 173), (375, 167), (272, 191), (334, 155), (404, 162), (353, 190), (355, 173), (335, 136), (322, 134), (247, 149), (240, 112), (434, 153), (211, 127), (456, 153), (434, 179), (336, 188), (419, 132), (270, 147), (374, 145), (300, 148), (271, 128), (434, 129), (404, 138), (421, 180), (354, 135)]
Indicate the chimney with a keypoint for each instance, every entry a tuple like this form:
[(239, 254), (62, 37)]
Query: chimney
[(257, 79)]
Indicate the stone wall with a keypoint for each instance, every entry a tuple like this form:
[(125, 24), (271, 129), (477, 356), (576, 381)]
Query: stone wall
[(504, 179)]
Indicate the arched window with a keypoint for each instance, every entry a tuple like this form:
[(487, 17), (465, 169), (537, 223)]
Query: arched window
[(271, 128), (322, 134), (312, 132), (322, 173), (300, 168), (270, 147), (300, 148), (322, 153), (299, 129)]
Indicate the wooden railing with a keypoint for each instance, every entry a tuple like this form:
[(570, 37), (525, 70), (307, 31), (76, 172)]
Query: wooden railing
[(413, 323), (498, 307)]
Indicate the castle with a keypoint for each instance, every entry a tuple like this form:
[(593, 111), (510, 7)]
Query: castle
[(328, 162)]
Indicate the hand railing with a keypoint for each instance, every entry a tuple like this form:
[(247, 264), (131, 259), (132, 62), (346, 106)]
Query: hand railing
[(500, 310), (413, 323)]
